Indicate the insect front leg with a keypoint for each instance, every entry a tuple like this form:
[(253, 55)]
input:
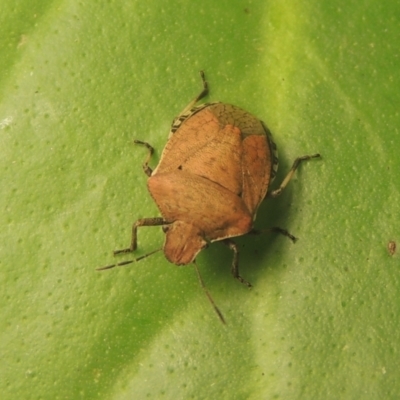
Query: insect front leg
[(289, 176), (235, 263), (141, 222), (147, 170)]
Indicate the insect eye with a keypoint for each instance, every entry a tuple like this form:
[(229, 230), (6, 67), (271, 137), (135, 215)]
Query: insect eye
[(165, 228)]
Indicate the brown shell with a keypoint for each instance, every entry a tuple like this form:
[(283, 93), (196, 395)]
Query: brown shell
[(213, 174), (226, 146)]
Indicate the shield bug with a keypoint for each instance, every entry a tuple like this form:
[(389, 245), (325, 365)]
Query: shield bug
[(214, 172)]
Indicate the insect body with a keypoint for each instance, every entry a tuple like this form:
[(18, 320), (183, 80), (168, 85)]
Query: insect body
[(214, 172)]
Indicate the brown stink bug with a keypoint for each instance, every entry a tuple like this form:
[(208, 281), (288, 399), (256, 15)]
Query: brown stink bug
[(214, 172)]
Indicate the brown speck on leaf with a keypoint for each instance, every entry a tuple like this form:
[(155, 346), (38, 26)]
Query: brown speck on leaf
[(391, 247)]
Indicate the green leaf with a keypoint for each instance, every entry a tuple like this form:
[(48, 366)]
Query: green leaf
[(79, 82)]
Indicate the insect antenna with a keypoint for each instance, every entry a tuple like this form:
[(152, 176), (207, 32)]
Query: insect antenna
[(122, 263), (217, 310)]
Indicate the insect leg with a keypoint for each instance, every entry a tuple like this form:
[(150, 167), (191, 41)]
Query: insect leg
[(201, 95), (276, 229), (140, 222), (147, 170), (289, 176), (235, 263)]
